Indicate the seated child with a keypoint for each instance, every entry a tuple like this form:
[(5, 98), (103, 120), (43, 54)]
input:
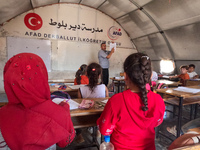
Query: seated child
[(31, 120), (183, 76), (154, 76), (191, 72), (93, 89), (131, 116), (81, 75)]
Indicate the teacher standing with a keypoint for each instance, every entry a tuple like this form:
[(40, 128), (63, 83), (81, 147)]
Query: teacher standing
[(104, 57)]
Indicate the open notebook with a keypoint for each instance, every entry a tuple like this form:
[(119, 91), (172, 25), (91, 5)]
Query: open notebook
[(72, 103), (188, 90)]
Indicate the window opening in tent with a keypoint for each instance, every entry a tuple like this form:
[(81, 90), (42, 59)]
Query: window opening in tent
[(166, 66)]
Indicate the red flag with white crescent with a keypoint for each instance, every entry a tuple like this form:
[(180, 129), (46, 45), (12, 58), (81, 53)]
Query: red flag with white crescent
[(33, 21)]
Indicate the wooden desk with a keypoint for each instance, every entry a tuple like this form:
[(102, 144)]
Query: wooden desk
[(84, 117), (118, 81), (192, 82), (61, 81), (181, 96), (87, 117), (72, 92), (168, 82)]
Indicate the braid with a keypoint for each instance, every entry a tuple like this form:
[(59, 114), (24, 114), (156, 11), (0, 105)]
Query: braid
[(78, 76), (80, 71), (93, 72), (138, 67)]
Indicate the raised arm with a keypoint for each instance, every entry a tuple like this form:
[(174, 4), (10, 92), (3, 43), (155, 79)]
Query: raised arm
[(111, 52)]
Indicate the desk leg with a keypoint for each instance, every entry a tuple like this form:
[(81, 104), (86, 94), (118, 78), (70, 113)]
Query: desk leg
[(179, 116), (195, 111)]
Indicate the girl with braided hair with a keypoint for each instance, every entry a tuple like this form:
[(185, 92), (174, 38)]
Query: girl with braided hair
[(93, 89), (81, 75), (131, 116)]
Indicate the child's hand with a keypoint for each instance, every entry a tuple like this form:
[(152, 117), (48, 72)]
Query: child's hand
[(63, 102)]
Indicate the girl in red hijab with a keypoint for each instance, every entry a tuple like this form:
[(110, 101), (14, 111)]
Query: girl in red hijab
[(31, 120)]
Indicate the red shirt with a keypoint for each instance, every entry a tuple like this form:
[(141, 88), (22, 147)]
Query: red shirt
[(183, 77), (84, 80), (129, 126)]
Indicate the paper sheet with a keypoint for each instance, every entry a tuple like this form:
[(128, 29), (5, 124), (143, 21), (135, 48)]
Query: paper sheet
[(188, 90), (72, 103), (112, 45), (165, 77), (58, 100), (105, 101), (195, 79), (74, 87)]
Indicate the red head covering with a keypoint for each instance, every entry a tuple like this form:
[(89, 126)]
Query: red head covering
[(31, 120), (26, 80)]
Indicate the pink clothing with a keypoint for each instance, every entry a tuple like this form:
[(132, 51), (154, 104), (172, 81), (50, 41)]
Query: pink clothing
[(129, 126)]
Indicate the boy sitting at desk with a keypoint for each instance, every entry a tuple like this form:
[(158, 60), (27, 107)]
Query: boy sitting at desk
[(191, 72), (183, 76)]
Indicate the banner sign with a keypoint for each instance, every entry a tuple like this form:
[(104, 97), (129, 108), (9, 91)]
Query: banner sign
[(69, 22)]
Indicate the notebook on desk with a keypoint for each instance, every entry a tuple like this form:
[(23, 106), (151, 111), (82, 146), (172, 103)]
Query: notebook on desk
[(188, 90), (165, 77), (72, 103), (74, 87)]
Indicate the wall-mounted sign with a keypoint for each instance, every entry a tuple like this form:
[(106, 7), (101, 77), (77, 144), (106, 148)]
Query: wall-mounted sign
[(114, 33), (69, 22), (33, 21)]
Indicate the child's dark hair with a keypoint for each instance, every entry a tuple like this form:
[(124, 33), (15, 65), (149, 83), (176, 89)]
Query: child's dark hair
[(138, 68), (184, 66), (192, 65), (81, 71), (93, 72)]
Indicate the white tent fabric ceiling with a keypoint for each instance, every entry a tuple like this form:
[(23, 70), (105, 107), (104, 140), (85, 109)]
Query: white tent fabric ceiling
[(164, 29)]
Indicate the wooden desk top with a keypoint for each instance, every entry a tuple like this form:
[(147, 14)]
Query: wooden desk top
[(114, 79), (168, 82), (172, 92), (97, 108), (68, 89), (61, 81), (192, 82)]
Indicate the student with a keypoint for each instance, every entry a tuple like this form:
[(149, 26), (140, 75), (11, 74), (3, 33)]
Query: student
[(81, 77), (31, 120), (131, 116), (192, 74), (154, 76), (93, 89), (183, 76)]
